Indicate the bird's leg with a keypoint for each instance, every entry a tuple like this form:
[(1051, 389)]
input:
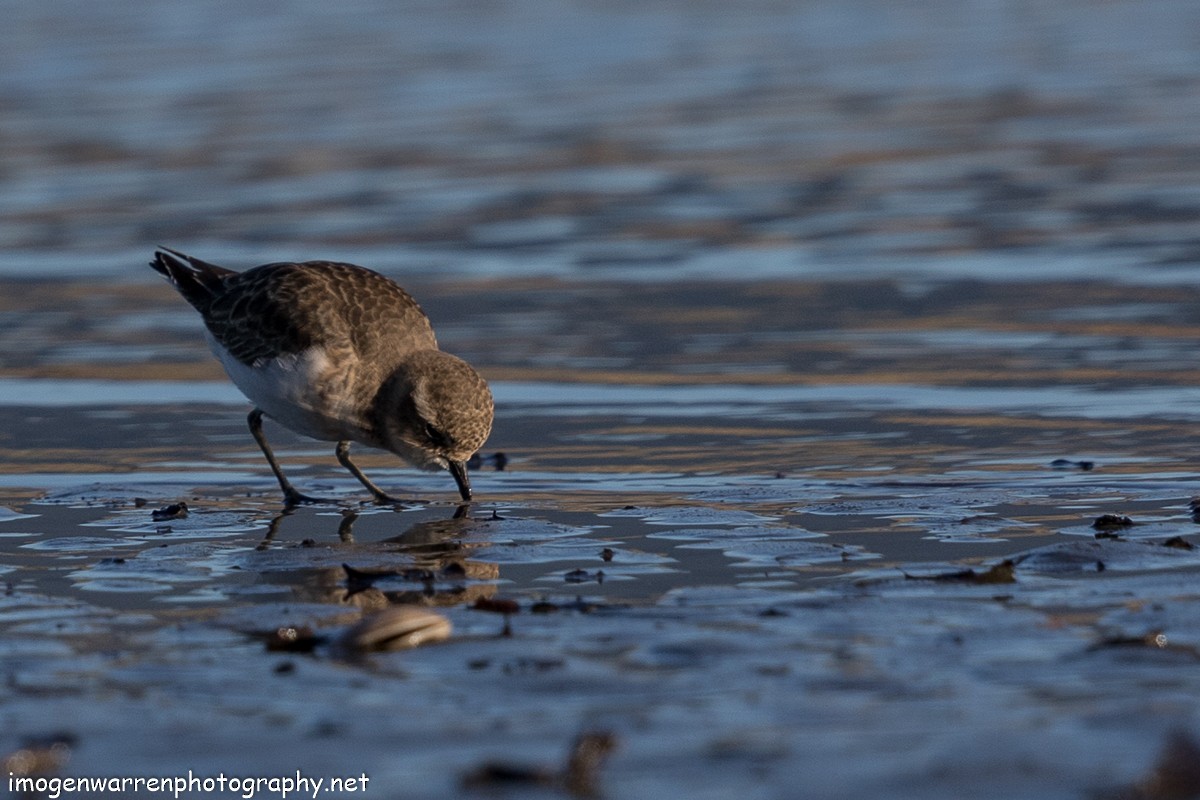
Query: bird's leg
[(291, 497), (343, 457)]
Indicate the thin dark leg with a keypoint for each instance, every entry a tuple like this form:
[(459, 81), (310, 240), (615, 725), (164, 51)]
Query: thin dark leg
[(290, 496), (343, 457)]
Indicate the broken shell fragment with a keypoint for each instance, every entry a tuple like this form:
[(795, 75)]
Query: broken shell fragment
[(396, 628)]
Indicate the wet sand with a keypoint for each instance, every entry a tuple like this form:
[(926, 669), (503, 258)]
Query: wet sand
[(754, 558), (822, 339)]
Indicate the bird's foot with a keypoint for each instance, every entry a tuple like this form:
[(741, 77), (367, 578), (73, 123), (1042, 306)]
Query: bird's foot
[(382, 498), (291, 498)]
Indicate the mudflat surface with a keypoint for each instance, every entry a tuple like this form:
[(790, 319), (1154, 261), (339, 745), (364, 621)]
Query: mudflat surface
[(821, 339)]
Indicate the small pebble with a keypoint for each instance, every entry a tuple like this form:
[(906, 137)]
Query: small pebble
[(1064, 463), (292, 639)]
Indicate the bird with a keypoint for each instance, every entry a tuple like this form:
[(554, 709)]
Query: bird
[(339, 353)]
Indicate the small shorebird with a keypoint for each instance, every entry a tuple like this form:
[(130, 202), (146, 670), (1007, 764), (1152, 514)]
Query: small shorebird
[(338, 353)]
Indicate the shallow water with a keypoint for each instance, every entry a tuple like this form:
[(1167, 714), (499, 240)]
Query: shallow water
[(751, 576), (820, 337)]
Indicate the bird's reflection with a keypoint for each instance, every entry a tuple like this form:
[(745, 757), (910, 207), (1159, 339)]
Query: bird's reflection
[(345, 527), (349, 516), (427, 564)]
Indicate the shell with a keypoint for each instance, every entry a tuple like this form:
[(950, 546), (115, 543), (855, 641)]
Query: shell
[(396, 628)]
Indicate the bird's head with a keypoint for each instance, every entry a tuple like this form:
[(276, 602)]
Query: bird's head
[(436, 412)]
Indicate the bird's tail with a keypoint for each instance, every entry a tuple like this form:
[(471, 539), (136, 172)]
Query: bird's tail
[(198, 281)]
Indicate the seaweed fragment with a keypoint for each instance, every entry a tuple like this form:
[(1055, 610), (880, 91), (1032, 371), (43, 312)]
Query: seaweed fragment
[(1112, 522), (1174, 776), (579, 776), (1004, 572), (174, 511)]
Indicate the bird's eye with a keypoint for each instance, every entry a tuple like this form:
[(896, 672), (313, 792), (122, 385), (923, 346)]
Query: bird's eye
[(434, 436)]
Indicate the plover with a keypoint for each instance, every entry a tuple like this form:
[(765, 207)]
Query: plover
[(339, 353)]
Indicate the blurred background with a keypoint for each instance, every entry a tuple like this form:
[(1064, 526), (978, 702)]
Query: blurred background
[(605, 139), (783, 302)]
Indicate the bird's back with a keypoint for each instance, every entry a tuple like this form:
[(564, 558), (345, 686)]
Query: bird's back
[(287, 308), (284, 308)]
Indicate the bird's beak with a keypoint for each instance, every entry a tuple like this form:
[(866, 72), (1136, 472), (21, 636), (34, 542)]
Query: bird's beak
[(459, 470)]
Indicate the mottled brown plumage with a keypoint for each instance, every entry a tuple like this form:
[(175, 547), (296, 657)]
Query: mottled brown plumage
[(338, 352)]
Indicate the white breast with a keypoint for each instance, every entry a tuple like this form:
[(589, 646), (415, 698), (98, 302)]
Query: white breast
[(294, 390)]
